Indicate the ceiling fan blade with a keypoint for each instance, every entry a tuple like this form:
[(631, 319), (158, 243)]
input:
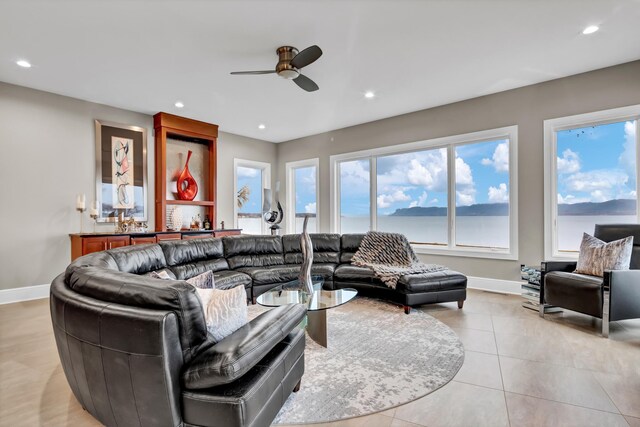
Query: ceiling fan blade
[(306, 57), (248, 73), (306, 83)]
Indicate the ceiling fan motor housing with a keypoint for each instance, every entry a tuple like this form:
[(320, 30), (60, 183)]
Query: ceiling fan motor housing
[(284, 67)]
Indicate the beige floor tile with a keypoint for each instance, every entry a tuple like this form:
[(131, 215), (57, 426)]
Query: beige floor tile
[(400, 423), (530, 326), (480, 369), (457, 404), (553, 382), (476, 340), (633, 422), (525, 411), (464, 319), (624, 390), (535, 348)]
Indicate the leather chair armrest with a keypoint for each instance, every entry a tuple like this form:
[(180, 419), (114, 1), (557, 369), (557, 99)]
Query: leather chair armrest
[(624, 289), (568, 266), (235, 355)]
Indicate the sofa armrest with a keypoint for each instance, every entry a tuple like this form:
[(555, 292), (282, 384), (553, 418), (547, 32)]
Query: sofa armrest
[(624, 291), (568, 266), (235, 355)]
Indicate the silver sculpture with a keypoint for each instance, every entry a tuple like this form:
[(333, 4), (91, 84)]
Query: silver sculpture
[(270, 215), (306, 282)]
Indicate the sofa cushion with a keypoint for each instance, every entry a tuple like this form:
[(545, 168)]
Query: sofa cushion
[(228, 279), (253, 251), (352, 272), (573, 291), (326, 248), (189, 258), (146, 292), (434, 281), (139, 259), (349, 244), (272, 274)]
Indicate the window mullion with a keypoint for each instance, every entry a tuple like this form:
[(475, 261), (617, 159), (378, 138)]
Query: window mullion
[(451, 191), (373, 197)]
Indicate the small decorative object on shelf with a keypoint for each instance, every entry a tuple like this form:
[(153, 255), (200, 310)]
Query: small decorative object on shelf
[(196, 221), (81, 207), (94, 212), (221, 225), (307, 258), (270, 215), (531, 289), (176, 219), (187, 186), (207, 223)]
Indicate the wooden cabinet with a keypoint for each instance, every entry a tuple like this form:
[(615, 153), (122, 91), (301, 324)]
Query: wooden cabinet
[(83, 244), (169, 127), (143, 240)]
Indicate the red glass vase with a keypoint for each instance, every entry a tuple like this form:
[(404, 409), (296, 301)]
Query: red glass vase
[(187, 186)]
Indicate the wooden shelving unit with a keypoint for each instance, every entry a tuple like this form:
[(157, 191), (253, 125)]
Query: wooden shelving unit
[(168, 126)]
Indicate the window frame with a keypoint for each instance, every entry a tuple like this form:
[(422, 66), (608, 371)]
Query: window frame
[(551, 127), (290, 182), (509, 133), (266, 184)]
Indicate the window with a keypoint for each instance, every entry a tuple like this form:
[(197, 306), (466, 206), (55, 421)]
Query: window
[(449, 195), (591, 165), (251, 178), (302, 195)]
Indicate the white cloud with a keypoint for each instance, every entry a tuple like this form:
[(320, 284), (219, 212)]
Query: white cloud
[(310, 208), (422, 199), (247, 172), (465, 187), (386, 200), (628, 157), (465, 199), (499, 195), (500, 158), (426, 169), (569, 162), (598, 196), (570, 199), (433, 201), (600, 179), (354, 178)]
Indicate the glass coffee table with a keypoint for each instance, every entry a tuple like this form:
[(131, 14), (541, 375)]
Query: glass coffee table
[(317, 303)]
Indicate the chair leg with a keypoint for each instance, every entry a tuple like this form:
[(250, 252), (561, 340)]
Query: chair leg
[(253, 301), (460, 303), (297, 387), (605, 312)]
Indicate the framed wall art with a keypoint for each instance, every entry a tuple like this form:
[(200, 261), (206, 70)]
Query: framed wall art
[(121, 171)]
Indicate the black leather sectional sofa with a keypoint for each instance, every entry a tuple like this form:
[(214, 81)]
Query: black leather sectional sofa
[(135, 349)]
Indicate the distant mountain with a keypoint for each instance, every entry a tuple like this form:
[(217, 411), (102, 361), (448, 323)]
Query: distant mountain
[(611, 207)]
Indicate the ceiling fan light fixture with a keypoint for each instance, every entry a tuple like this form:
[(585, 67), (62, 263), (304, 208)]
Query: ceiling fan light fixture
[(289, 74)]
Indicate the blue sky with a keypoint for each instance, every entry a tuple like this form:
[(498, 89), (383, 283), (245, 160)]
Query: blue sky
[(305, 189), (420, 179), (597, 163), (251, 177)]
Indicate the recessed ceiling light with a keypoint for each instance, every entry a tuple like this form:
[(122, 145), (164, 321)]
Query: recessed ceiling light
[(590, 29), (179, 104), (369, 94), (261, 126), (23, 63)]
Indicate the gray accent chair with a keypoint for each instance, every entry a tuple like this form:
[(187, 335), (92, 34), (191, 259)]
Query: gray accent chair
[(616, 296)]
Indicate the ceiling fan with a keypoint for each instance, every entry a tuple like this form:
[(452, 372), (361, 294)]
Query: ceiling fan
[(289, 64)]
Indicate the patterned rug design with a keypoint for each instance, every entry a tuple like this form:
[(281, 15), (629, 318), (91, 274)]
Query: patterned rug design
[(378, 358)]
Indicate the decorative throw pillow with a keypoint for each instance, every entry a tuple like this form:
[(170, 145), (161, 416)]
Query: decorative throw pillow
[(160, 275), (597, 256), (203, 283), (226, 312)]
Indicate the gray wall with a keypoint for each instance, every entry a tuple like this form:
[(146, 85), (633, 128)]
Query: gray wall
[(47, 156), (526, 107)]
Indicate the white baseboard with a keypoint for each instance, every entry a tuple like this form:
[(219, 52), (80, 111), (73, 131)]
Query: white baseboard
[(494, 285), (27, 293)]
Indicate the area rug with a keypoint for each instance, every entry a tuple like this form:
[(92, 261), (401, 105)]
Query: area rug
[(378, 358)]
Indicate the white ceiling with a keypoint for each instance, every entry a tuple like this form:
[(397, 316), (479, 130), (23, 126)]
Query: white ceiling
[(145, 55)]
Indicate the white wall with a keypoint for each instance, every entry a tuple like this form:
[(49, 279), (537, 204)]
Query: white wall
[(47, 156)]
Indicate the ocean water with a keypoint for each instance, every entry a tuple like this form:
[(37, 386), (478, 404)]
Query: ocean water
[(483, 231)]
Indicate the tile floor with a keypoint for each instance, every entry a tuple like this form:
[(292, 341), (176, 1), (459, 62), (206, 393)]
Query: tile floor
[(519, 370)]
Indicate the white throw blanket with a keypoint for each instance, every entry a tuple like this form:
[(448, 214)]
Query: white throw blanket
[(390, 256)]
